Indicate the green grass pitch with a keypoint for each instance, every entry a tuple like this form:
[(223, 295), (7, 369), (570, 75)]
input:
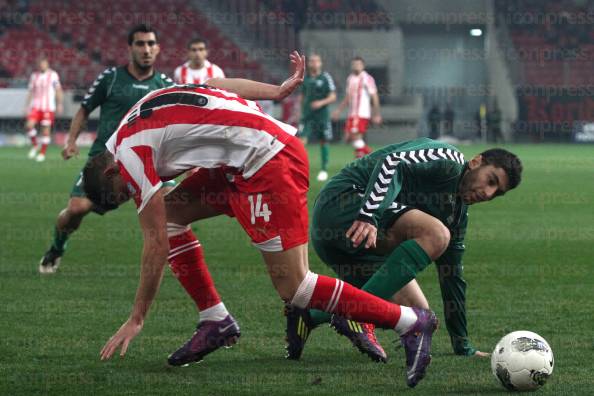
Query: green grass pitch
[(529, 265)]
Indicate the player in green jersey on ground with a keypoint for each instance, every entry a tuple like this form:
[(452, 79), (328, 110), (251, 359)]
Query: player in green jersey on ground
[(385, 217), (115, 90), (317, 92)]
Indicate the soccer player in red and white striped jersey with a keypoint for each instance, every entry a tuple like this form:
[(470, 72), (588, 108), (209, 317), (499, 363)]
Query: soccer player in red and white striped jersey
[(363, 105), (43, 102), (197, 69), (253, 168)]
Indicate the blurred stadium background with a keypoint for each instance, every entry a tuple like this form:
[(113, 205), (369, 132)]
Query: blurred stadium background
[(531, 59)]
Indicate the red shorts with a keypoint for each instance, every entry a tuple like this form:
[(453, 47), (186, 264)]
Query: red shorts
[(271, 206), (45, 118), (356, 125)]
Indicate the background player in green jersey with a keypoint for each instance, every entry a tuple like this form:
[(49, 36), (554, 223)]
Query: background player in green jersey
[(115, 90), (387, 216), (317, 92)]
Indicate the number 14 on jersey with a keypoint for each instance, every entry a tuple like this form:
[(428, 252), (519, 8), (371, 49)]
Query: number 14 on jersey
[(257, 209)]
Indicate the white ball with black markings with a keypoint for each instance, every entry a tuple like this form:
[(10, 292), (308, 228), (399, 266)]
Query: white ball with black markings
[(522, 361)]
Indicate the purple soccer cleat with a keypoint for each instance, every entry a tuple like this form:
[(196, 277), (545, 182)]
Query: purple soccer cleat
[(208, 337), (362, 335), (417, 345)]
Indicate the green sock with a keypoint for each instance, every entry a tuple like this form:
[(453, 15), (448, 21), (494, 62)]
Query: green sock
[(400, 267), (60, 239), (325, 151), (319, 317)]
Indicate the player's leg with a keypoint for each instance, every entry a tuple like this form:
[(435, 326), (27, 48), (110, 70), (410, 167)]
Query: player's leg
[(68, 221), (411, 295), (197, 197), (45, 140), (325, 136), (277, 224), (304, 289), (409, 245), (32, 135)]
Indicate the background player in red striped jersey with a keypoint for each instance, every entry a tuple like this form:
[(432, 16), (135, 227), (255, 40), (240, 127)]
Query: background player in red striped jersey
[(197, 69), (43, 102), (252, 168), (363, 104)]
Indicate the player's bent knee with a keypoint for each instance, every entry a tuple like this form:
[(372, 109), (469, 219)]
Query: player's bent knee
[(440, 236), (79, 207)]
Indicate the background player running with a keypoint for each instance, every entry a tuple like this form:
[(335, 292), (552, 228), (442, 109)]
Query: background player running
[(256, 170), (197, 69), (363, 104), (317, 92), (44, 100), (386, 217), (116, 90)]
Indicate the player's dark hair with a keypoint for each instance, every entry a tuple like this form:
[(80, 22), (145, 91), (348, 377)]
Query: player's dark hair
[(142, 28), (97, 185), (197, 40), (509, 162), (358, 58)]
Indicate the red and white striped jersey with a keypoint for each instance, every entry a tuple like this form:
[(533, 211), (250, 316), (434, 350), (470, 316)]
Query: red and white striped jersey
[(359, 89), (176, 129), (43, 88), (184, 74)]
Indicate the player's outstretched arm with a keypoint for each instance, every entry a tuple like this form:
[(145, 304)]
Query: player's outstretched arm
[(154, 256), (76, 126), (253, 90)]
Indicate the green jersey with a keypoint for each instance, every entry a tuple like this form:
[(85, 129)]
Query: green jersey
[(420, 174), (116, 91), (312, 89)]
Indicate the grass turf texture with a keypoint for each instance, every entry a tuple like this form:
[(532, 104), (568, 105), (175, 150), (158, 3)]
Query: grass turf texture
[(528, 266)]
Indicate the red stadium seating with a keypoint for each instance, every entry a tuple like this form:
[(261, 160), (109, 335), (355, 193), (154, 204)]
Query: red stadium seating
[(559, 54), (82, 38)]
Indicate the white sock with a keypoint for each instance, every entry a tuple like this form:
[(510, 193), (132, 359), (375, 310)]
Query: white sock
[(408, 317), (215, 313), (32, 132), (358, 144)]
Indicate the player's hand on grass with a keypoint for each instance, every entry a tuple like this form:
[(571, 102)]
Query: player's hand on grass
[(481, 354), (70, 150), (123, 337), (291, 83), (361, 230)]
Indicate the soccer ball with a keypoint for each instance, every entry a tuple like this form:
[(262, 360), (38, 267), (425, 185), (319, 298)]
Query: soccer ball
[(522, 361)]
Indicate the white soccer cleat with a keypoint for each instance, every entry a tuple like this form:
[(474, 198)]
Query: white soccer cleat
[(40, 157), (50, 262), (322, 176), (32, 152)]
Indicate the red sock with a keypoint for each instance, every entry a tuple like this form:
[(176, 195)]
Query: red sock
[(33, 136), (186, 259), (335, 296), (360, 152), (367, 150), (45, 141)]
